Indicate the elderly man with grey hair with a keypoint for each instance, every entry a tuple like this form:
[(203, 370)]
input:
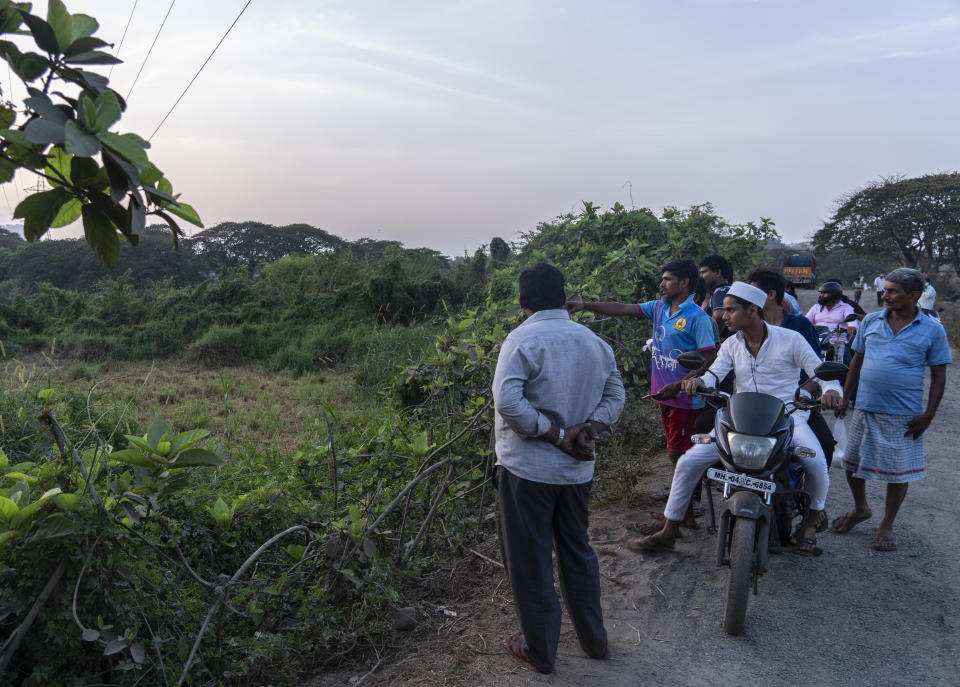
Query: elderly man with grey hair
[(884, 438)]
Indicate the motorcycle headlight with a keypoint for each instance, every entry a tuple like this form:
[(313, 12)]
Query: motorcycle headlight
[(749, 452)]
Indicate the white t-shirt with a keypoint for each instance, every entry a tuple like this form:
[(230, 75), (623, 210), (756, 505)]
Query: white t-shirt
[(878, 283)]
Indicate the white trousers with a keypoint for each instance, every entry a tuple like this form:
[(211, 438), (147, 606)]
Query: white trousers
[(694, 463)]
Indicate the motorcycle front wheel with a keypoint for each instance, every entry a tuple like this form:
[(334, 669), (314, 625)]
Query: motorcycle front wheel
[(741, 571)]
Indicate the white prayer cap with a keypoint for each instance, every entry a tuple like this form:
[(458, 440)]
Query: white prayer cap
[(751, 294)]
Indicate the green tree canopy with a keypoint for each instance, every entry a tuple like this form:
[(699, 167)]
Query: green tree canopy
[(916, 220)]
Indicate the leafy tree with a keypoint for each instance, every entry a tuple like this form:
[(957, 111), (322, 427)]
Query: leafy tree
[(63, 134), (917, 220), (10, 240), (254, 244)]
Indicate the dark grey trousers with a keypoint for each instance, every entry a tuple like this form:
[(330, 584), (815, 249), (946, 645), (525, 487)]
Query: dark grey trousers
[(533, 519)]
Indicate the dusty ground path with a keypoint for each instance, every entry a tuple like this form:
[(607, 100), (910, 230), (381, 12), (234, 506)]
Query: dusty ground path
[(853, 616)]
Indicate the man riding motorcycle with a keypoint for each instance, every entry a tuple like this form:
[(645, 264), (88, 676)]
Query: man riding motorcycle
[(766, 359), (830, 312)]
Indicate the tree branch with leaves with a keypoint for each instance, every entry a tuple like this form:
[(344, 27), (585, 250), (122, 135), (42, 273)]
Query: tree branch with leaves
[(63, 133)]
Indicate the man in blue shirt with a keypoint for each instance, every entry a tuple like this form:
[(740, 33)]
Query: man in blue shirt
[(679, 325), (891, 350), (555, 389)]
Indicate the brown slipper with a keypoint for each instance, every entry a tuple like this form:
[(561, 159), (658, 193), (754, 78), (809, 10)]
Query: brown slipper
[(848, 521), (885, 542), (514, 645)]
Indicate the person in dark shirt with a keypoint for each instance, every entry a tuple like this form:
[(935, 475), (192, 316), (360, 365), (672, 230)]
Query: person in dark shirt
[(716, 273)]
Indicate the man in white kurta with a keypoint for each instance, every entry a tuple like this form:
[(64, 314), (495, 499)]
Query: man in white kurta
[(766, 359)]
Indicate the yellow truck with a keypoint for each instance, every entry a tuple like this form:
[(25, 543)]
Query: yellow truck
[(800, 269)]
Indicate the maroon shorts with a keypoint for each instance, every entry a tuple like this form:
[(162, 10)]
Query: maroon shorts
[(678, 424)]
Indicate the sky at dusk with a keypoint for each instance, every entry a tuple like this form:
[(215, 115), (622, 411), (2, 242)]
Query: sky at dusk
[(443, 124)]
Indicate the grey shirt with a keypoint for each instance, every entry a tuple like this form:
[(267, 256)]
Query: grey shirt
[(551, 370)]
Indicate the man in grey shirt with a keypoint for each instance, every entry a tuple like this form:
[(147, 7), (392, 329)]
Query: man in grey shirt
[(555, 390)]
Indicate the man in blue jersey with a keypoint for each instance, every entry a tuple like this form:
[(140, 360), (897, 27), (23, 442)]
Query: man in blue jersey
[(679, 325)]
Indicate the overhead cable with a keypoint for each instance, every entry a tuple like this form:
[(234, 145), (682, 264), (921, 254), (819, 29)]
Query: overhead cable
[(125, 28), (209, 57), (137, 77)]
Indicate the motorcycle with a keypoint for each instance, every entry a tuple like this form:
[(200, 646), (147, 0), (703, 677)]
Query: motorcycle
[(762, 481)]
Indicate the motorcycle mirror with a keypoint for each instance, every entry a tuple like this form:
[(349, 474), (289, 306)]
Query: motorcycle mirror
[(850, 318), (830, 371), (691, 360)]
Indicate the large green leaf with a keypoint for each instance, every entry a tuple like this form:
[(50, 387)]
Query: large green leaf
[(133, 457), (69, 213), (30, 66), (196, 456), (130, 146), (93, 57), (141, 444), (42, 33), (79, 142), (83, 171), (7, 117), (53, 526), (58, 166), (156, 431), (84, 44), (7, 536), (59, 20), (107, 110), (188, 438), (44, 131), (7, 170), (27, 513), (101, 235), (39, 210), (12, 19), (8, 509), (184, 211), (84, 26)]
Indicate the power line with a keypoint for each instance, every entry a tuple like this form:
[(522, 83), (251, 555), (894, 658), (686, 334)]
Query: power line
[(172, 3), (209, 57), (125, 28)]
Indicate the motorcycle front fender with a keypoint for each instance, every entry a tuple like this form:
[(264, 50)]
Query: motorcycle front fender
[(744, 504)]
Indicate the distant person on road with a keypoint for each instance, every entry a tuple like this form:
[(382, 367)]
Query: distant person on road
[(763, 358), (878, 285), (929, 296), (556, 388), (716, 273), (884, 440), (858, 286), (678, 326)]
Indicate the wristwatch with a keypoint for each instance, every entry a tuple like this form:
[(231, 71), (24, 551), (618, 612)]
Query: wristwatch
[(559, 440)]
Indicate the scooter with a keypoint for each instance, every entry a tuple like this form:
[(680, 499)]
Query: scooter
[(762, 487)]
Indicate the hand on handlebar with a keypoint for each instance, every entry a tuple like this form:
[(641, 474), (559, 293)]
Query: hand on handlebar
[(690, 386), (830, 400)]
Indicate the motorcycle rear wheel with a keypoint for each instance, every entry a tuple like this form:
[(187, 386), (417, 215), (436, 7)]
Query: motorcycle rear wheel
[(742, 549)]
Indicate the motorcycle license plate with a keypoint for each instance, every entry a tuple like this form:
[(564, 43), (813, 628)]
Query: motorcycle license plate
[(739, 480)]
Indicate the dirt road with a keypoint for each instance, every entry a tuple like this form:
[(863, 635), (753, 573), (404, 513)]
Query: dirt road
[(853, 616)]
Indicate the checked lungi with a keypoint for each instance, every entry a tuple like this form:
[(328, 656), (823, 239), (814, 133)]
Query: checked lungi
[(878, 450)]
